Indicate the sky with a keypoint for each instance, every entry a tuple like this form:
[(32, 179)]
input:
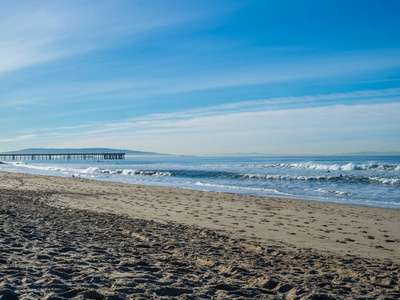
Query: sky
[(201, 77)]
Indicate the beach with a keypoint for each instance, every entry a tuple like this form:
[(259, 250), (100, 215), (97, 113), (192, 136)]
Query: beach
[(89, 239)]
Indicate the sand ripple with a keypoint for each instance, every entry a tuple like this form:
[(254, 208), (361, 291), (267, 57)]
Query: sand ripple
[(53, 253)]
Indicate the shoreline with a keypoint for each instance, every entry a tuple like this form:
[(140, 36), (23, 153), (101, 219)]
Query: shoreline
[(86, 239), (364, 182), (342, 229), (312, 199)]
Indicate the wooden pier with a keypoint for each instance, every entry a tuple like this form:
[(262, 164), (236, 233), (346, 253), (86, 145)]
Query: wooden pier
[(63, 156)]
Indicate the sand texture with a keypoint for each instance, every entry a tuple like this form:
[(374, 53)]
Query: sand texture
[(63, 238)]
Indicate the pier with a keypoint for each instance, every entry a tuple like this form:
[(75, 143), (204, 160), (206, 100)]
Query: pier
[(63, 156)]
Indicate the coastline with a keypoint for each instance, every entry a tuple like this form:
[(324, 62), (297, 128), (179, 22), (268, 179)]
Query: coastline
[(303, 223), (360, 181), (280, 229)]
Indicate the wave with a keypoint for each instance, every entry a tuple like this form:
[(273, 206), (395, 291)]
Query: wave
[(90, 170), (327, 177), (391, 181), (378, 185), (94, 170), (336, 167), (43, 168), (200, 183), (231, 175), (333, 192), (340, 178)]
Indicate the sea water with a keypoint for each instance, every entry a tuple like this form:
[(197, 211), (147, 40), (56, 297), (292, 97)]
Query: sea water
[(370, 181)]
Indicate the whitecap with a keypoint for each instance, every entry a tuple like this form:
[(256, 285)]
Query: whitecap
[(241, 188), (333, 192)]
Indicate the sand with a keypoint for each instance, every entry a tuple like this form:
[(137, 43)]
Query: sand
[(84, 239)]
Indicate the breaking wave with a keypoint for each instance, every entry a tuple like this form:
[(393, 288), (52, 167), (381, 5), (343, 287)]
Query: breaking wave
[(200, 183), (340, 178), (333, 192), (90, 170), (94, 170), (336, 167)]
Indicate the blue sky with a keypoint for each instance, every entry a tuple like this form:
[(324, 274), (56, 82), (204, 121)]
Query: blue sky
[(201, 77)]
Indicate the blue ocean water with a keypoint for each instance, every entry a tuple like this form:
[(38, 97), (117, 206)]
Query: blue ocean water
[(370, 181)]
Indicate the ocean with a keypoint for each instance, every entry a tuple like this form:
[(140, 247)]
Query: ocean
[(370, 181)]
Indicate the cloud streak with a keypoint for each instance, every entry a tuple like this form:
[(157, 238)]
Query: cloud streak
[(135, 89), (272, 104), (271, 131), (18, 138), (41, 32), (239, 124)]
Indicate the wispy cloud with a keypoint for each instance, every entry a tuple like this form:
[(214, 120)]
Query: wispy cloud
[(18, 138), (272, 104), (22, 53), (279, 103), (301, 68), (137, 88), (38, 32), (263, 131), (241, 123)]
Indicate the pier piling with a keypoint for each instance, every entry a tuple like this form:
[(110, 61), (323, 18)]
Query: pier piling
[(67, 156)]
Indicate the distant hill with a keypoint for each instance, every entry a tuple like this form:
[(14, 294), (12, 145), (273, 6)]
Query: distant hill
[(371, 153), (365, 153), (84, 150)]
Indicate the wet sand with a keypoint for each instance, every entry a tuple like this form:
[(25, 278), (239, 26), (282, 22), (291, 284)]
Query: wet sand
[(85, 239)]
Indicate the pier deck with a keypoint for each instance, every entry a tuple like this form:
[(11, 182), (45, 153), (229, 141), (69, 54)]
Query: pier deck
[(63, 156)]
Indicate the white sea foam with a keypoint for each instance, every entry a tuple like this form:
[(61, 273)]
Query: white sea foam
[(364, 179), (333, 192), (45, 168), (91, 170), (336, 167), (284, 177), (95, 170), (393, 181), (200, 183)]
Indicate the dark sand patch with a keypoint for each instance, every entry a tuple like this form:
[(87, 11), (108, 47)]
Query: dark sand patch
[(54, 253)]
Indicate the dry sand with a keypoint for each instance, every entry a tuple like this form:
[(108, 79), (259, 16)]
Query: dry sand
[(85, 239)]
